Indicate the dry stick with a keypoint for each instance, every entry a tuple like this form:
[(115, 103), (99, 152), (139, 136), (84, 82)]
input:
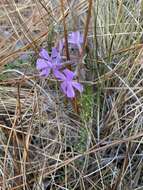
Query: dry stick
[(87, 26), (85, 33), (65, 32), (74, 101)]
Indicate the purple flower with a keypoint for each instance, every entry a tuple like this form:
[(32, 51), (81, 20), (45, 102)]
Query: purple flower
[(75, 38), (46, 63), (68, 85), (61, 45)]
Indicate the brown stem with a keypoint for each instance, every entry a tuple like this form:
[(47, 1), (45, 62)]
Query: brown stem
[(87, 25), (65, 31), (74, 101)]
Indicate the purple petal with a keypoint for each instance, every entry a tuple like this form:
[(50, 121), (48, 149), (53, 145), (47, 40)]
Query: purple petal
[(75, 38), (45, 72), (41, 64), (56, 67), (78, 86), (64, 87), (54, 52), (70, 91), (72, 38), (79, 37), (44, 54), (55, 56), (61, 45), (59, 75), (57, 60), (69, 74)]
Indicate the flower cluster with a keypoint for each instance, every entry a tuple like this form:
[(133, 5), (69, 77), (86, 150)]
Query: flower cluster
[(52, 63)]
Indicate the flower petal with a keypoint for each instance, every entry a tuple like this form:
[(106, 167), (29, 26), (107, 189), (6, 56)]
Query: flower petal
[(77, 86), (69, 74), (59, 75), (58, 60), (61, 45), (44, 54), (45, 72), (75, 38), (54, 52), (64, 87), (41, 64), (79, 37), (71, 38), (55, 56), (70, 90)]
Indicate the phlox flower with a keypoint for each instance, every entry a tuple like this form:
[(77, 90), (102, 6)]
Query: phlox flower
[(74, 38), (47, 63), (68, 85)]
